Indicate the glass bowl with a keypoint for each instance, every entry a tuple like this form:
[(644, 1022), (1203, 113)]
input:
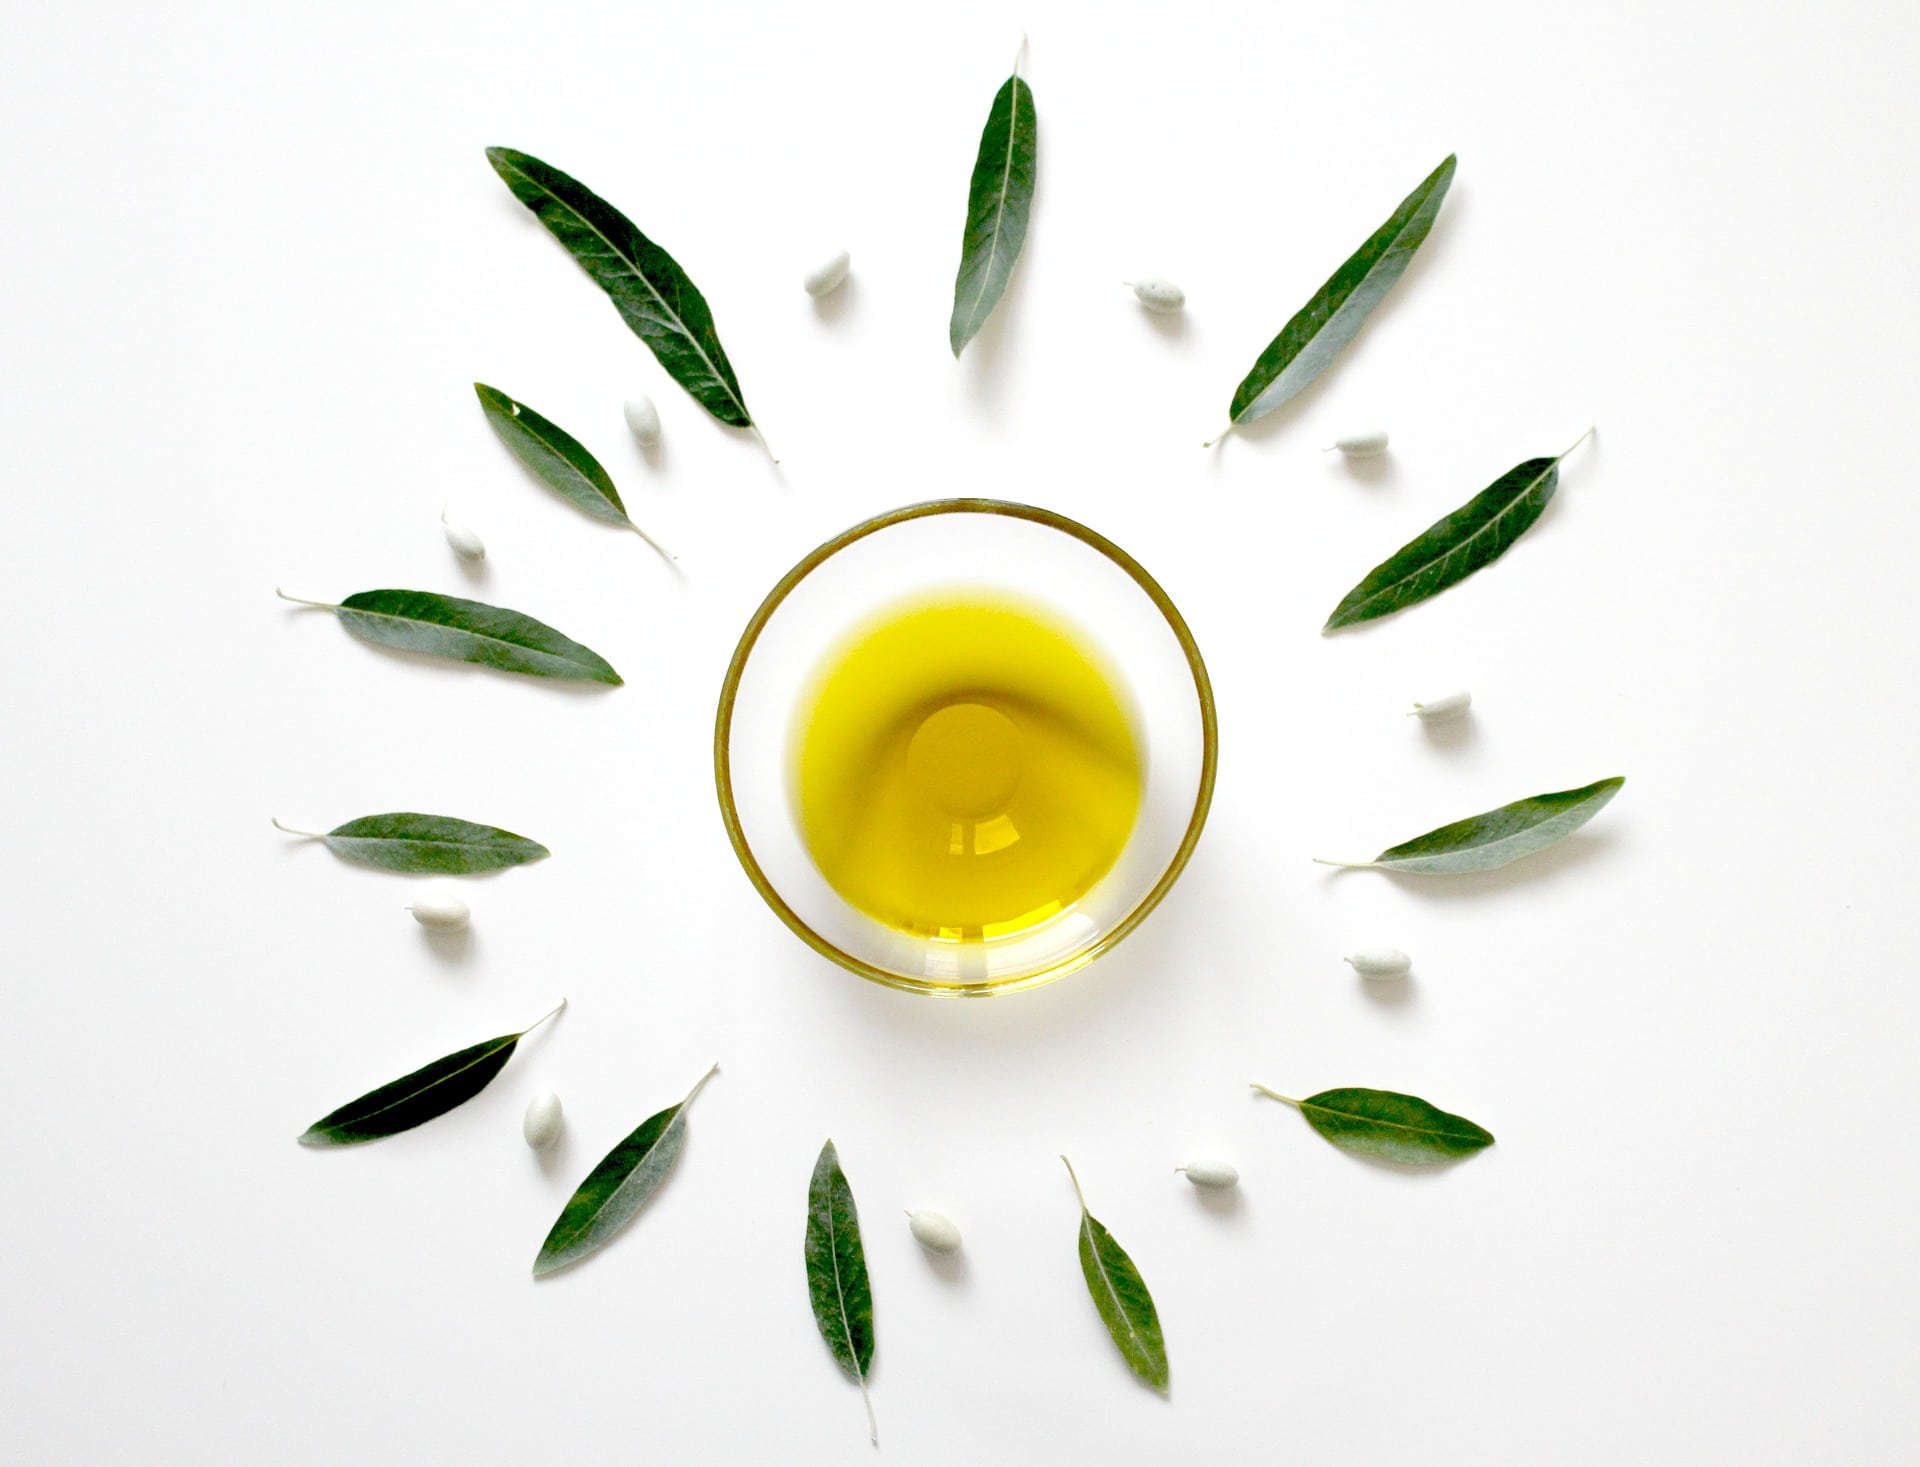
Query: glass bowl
[(992, 545)]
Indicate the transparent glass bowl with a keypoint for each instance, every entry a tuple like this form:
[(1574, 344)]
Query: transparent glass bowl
[(991, 544)]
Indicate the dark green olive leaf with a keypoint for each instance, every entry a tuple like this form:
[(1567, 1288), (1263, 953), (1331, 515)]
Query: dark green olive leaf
[(1450, 550), (412, 1100), (649, 289), (466, 631), (998, 201), (559, 460), (404, 841), (1308, 343), (1388, 1126), (1120, 1294), (837, 1274), (1491, 840), (618, 1187)]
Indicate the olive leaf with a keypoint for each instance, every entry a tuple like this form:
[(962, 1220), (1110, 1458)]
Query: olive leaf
[(466, 631), (1453, 548), (404, 841), (1487, 841), (560, 460), (999, 198), (412, 1100), (618, 1187), (646, 285), (1308, 343), (1388, 1126), (1120, 1294), (837, 1274)]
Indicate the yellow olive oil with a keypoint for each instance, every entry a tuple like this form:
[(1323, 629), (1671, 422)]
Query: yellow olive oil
[(965, 765)]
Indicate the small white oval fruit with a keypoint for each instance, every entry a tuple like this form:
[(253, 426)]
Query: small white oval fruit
[(466, 544), (440, 910), (1363, 445), (1211, 1173), (543, 1120), (829, 277), (643, 418), (1439, 710), (1380, 962), (1158, 295), (935, 1230)]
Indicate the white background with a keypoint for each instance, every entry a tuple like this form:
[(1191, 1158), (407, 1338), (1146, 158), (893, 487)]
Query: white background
[(255, 257)]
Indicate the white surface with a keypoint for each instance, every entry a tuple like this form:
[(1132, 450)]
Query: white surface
[(255, 257)]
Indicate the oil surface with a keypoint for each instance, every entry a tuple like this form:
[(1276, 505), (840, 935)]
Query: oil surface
[(964, 765)]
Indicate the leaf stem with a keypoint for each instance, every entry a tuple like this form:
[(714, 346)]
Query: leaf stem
[(1577, 442), (651, 541), (302, 601), (1274, 1094), (296, 830), (1344, 865), (700, 1084), (542, 1019), (873, 1427), (1218, 436), (763, 442), (1076, 1187), (1020, 56)]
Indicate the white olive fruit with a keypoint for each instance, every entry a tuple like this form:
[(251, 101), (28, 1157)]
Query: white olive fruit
[(1385, 963), (1211, 1173), (1158, 295), (543, 1120), (1439, 710), (643, 419), (1370, 444), (440, 910), (935, 1231), (829, 277), (466, 544)]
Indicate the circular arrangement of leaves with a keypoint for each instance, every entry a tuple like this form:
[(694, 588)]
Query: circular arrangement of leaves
[(663, 307)]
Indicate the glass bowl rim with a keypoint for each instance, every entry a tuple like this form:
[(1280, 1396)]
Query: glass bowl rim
[(812, 561)]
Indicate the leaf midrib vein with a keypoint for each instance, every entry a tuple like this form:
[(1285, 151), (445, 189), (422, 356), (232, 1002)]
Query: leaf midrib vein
[(1345, 299), (634, 265), (1000, 205), (566, 462), (1391, 1125), (1494, 842), (593, 1218), (416, 1094), (839, 1291), (1106, 1279), (1458, 545), (465, 632), (410, 840)]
